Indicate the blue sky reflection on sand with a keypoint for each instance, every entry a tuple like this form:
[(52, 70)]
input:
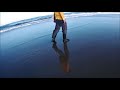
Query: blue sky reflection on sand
[(92, 51)]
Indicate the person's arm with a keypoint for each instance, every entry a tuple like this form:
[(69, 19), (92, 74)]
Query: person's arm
[(54, 17), (63, 17)]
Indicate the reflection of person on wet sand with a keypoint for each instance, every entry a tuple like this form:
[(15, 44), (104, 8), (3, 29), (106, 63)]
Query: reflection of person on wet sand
[(64, 57)]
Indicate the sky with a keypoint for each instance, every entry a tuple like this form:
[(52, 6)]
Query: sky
[(9, 17)]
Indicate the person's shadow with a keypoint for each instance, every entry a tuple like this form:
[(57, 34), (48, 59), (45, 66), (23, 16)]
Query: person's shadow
[(63, 56)]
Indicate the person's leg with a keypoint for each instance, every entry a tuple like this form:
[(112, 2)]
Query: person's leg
[(64, 30), (55, 31)]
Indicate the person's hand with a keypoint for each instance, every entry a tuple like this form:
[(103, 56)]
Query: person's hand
[(64, 21), (54, 21)]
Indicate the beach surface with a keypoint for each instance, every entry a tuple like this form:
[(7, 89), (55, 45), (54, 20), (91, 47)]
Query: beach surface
[(92, 52)]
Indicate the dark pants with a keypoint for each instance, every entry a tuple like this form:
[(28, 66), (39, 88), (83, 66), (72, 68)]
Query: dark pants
[(60, 23)]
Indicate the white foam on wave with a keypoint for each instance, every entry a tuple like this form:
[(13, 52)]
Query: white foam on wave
[(67, 15), (80, 14), (22, 25)]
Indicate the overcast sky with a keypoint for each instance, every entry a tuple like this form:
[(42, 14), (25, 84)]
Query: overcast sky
[(9, 17)]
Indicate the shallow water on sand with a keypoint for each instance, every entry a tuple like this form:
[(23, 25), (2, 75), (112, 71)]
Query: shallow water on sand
[(91, 53)]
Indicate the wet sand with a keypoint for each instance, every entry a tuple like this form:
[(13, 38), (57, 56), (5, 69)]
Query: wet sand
[(93, 50)]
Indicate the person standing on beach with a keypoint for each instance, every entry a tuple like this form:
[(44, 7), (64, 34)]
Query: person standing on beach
[(60, 21)]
